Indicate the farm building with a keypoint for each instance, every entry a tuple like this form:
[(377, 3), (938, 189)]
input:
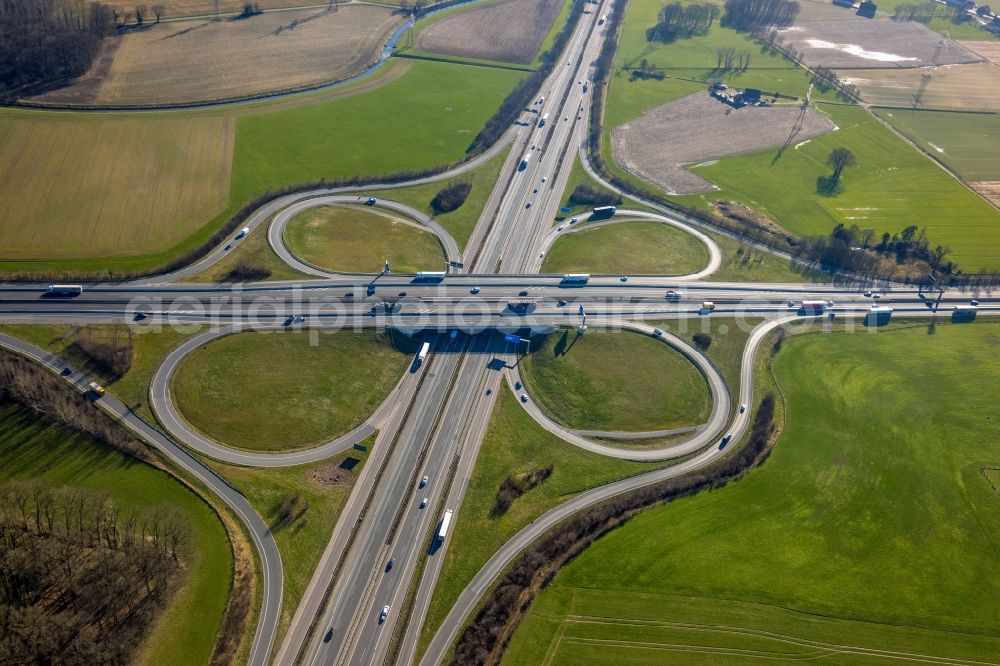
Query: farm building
[(867, 9), (844, 3), (735, 97)]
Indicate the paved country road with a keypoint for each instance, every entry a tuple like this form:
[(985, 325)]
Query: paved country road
[(260, 534)]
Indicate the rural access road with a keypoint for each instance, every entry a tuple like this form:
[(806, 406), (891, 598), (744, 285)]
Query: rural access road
[(271, 574)]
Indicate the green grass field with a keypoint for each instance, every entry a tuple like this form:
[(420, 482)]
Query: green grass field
[(642, 248), (184, 173), (30, 449), (614, 381), (359, 240), (323, 489), (892, 187), (514, 444), (282, 390), (968, 143), (461, 221), (426, 117), (107, 186), (870, 526)]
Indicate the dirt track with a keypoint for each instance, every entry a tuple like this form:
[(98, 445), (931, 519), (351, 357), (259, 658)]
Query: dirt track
[(511, 31), (698, 128)]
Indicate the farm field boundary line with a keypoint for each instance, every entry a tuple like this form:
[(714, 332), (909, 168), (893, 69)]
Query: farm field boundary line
[(464, 61), (974, 112)]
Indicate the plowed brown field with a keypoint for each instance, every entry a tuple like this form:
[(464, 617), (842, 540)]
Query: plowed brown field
[(510, 31)]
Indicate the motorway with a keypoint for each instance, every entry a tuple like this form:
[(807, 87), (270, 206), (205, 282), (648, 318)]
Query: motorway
[(435, 419)]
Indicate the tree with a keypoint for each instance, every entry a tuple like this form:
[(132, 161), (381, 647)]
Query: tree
[(158, 12), (140, 14), (840, 159)]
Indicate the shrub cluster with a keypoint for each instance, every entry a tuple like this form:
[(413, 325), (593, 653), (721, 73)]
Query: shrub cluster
[(247, 271), (516, 485), (585, 195), (485, 639), (451, 197), (110, 356)]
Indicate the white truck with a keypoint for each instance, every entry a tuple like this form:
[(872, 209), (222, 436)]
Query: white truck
[(64, 290), (524, 162), (422, 355), (707, 306), (445, 524), (544, 119)]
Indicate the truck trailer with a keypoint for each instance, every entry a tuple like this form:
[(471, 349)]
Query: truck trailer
[(445, 524), (421, 355), (815, 306), (429, 276), (576, 278), (64, 290), (603, 212)]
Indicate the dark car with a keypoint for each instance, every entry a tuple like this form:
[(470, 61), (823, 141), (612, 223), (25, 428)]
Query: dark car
[(390, 563), (67, 371), (523, 292)]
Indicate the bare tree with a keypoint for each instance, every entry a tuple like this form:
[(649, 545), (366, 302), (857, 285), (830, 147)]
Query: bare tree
[(158, 13), (140, 14), (840, 159)]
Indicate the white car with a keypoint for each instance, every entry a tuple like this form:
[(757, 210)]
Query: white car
[(384, 614), (743, 407), (876, 295), (423, 482), (423, 503), (560, 228), (543, 179), (624, 278), (868, 294), (974, 301), (573, 220)]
